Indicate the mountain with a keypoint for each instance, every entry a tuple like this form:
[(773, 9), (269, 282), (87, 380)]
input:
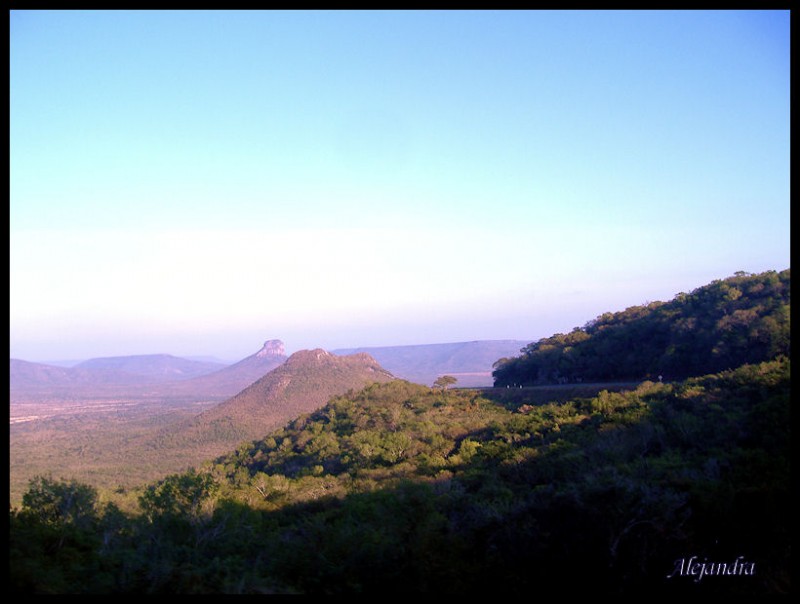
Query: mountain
[(30, 378), (155, 367), (26, 373), (304, 383), (157, 375), (63, 362), (166, 375), (469, 362), (234, 378), (123, 370), (205, 358)]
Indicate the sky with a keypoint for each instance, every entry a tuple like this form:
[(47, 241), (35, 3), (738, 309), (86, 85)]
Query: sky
[(197, 182)]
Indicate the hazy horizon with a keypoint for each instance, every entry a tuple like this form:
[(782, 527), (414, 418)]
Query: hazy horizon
[(243, 345), (197, 182), (289, 351)]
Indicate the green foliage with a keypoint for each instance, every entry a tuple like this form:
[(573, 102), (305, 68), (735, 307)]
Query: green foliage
[(400, 488), (397, 488), (57, 502), (444, 382), (178, 495), (58, 538), (742, 319)]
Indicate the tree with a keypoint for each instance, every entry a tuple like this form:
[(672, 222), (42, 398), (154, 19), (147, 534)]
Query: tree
[(179, 495), (444, 381), (60, 501), (54, 543)]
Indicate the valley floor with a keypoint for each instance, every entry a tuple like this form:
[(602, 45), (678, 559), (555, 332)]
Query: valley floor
[(104, 442)]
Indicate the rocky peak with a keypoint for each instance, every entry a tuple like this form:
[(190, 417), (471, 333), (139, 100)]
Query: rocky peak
[(271, 348), (306, 357)]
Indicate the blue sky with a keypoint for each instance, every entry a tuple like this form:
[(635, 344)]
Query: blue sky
[(198, 182)]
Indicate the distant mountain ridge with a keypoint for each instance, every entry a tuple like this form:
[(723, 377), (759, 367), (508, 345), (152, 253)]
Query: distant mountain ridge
[(137, 369), (155, 366), (28, 377), (135, 375), (469, 362), (24, 373)]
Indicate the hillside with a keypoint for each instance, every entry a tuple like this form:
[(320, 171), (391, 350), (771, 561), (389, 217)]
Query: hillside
[(402, 489), (25, 374), (328, 476), (722, 325), (305, 382), (38, 381), (118, 442), (234, 378), (469, 362)]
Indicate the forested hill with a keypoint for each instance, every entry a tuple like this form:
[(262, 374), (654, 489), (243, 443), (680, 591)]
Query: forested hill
[(722, 325), (404, 489)]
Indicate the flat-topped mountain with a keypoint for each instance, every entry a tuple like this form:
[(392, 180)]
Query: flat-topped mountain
[(469, 362), (155, 367), (100, 377), (305, 382)]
